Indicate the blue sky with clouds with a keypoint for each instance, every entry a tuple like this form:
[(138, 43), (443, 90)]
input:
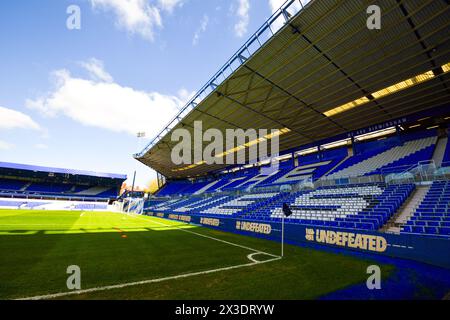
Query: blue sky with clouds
[(77, 98)]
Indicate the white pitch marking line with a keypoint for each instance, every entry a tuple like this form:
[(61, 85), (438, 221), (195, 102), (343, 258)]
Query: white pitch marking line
[(124, 285), (209, 237), (130, 284), (251, 255)]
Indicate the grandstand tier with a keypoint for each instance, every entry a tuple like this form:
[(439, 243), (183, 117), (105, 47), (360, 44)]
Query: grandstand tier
[(319, 191), (392, 154), (432, 215), (34, 182), (363, 121)]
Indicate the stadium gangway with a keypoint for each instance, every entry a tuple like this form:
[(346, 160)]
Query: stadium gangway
[(276, 22)]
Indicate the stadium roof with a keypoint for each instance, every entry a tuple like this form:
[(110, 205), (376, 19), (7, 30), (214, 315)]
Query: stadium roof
[(26, 167), (324, 73)]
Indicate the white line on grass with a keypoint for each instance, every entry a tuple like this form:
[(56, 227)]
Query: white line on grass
[(137, 283), (251, 255), (130, 284), (209, 237)]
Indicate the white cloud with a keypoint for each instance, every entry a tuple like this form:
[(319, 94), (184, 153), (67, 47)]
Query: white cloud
[(107, 105), (184, 96), (96, 70), (244, 18), (41, 146), (136, 16), (5, 145), (276, 4), (169, 5), (203, 25), (12, 119)]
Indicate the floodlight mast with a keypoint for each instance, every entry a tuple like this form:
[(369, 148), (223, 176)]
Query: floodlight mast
[(140, 135)]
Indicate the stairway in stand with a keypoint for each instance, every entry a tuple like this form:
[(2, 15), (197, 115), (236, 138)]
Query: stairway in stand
[(406, 211)]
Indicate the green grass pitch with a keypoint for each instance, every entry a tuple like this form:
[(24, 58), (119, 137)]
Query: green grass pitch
[(36, 247)]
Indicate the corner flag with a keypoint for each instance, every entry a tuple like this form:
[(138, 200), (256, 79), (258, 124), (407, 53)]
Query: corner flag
[(286, 213), (286, 210)]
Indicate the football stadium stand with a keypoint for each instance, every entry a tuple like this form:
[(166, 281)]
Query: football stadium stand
[(25, 182), (256, 195), (364, 122), (432, 216), (411, 150)]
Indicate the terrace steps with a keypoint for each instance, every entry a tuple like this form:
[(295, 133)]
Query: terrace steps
[(407, 210), (205, 188), (93, 191), (439, 152), (338, 164), (25, 187)]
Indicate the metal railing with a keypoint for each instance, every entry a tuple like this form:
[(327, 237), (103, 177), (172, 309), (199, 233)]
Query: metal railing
[(281, 17), (421, 172), (424, 172), (329, 182)]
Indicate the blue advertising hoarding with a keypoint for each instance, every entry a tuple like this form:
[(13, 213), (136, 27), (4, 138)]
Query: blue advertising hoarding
[(430, 250)]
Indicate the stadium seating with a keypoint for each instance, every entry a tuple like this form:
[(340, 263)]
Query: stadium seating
[(358, 206), (11, 185), (283, 169), (17, 188), (432, 216), (386, 159), (218, 205), (241, 179), (28, 182), (237, 205), (217, 186), (182, 187), (446, 159), (48, 188), (311, 167), (366, 206)]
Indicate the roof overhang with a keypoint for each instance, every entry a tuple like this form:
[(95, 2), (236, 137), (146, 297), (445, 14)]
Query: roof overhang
[(324, 74)]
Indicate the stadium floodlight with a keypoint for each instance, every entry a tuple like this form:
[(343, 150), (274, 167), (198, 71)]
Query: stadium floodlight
[(402, 85), (141, 135), (264, 139), (376, 134), (307, 151)]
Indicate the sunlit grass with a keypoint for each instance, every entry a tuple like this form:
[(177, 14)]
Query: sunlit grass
[(36, 247), (29, 222)]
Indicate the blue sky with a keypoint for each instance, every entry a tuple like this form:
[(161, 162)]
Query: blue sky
[(77, 98)]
